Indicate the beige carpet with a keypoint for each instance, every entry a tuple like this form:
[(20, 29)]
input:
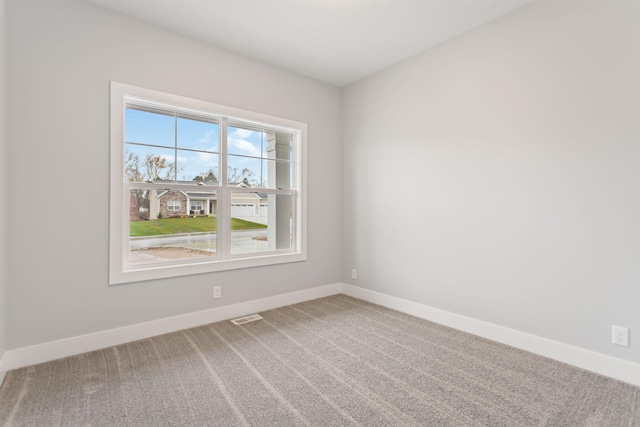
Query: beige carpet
[(335, 361)]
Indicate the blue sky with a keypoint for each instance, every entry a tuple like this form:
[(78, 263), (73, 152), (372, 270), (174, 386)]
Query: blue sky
[(197, 144)]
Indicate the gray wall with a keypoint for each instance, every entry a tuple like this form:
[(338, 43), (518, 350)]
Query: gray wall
[(3, 179), (62, 56), (496, 175)]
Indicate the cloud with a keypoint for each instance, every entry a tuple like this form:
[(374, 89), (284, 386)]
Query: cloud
[(245, 147), (241, 133), (210, 160), (207, 136)]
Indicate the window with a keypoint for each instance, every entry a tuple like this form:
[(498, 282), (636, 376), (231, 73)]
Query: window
[(198, 187), (197, 207)]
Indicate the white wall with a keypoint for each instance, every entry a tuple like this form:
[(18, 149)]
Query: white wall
[(522, 140), (3, 180), (63, 55)]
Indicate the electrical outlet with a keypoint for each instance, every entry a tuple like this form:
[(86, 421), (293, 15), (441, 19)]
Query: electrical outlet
[(620, 335), (217, 292), (354, 274)]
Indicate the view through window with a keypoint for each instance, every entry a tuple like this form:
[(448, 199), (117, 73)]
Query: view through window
[(204, 187)]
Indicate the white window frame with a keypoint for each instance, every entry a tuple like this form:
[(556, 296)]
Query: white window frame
[(171, 205), (120, 271)]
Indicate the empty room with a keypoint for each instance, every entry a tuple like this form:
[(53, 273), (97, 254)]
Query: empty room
[(319, 212)]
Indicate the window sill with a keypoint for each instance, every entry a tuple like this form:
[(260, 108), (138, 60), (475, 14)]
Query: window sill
[(182, 269)]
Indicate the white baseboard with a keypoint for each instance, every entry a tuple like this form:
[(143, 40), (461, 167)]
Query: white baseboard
[(595, 362), (609, 366), (26, 356)]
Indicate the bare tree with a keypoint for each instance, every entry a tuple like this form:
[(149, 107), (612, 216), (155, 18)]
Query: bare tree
[(158, 167), (150, 169), (132, 167), (244, 175)]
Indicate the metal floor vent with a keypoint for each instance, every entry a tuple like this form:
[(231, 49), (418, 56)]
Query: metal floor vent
[(246, 319)]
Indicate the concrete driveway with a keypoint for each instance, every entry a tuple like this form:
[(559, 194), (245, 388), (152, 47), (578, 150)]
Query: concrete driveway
[(242, 241)]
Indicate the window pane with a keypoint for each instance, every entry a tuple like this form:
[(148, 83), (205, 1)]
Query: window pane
[(197, 166), (154, 128), (167, 232), (197, 134), (244, 170), (147, 164), (261, 222), (245, 142)]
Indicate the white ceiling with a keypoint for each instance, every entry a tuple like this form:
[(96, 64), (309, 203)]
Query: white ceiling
[(336, 41)]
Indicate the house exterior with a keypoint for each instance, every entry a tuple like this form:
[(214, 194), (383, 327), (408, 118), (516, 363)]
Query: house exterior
[(167, 204), (249, 205), (199, 202), (174, 204)]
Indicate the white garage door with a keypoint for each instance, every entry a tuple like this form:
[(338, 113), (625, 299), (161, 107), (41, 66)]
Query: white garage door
[(238, 210)]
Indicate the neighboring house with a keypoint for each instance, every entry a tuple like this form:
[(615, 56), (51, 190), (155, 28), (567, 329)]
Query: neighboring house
[(167, 204), (248, 205), (135, 211), (199, 201)]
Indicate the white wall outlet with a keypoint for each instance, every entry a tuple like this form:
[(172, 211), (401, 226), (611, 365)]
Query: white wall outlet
[(217, 292), (354, 274), (620, 335)]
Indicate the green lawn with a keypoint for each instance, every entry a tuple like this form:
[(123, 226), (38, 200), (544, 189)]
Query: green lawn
[(201, 224)]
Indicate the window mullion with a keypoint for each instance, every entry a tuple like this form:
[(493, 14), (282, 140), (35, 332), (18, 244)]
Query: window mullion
[(124, 230), (223, 233), (175, 146)]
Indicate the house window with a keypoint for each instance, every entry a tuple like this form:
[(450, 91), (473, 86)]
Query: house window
[(197, 207), (241, 174)]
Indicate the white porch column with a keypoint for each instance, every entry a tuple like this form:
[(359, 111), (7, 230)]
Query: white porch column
[(279, 220)]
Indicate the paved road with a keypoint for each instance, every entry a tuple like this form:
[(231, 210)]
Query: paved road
[(203, 241)]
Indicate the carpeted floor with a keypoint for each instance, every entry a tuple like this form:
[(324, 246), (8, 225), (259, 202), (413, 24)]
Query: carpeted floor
[(335, 361)]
